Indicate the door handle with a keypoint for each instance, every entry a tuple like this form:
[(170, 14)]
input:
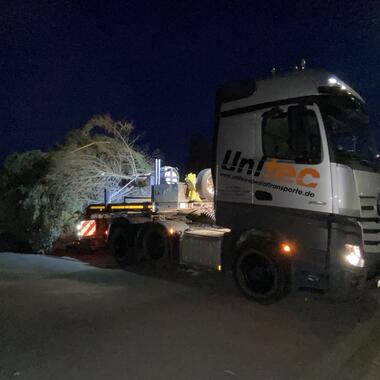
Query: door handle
[(318, 203)]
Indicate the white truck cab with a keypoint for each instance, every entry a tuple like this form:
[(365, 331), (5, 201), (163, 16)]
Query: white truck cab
[(297, 181)]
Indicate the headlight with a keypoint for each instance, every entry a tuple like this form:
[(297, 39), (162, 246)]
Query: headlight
[(353, 255)]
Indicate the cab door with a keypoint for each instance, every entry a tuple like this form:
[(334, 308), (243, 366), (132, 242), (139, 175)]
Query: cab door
[(235, 160), (296, 172)]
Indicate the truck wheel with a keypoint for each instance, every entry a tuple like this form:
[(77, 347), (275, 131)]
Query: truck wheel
[(122, 246), (205, 185), (155, 243), (260, 277)]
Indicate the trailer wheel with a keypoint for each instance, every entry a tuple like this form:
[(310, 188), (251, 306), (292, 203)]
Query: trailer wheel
[(260, 277), (155, 243), (122, 246)]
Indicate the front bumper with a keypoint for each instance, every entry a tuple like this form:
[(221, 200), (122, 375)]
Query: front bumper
[(373, 283), (346, 284), (373, 264)]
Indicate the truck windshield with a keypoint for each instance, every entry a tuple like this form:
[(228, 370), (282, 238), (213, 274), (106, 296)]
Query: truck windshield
[(348, 132)]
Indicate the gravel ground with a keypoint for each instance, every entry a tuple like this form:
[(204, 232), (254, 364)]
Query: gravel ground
[(64, 319)]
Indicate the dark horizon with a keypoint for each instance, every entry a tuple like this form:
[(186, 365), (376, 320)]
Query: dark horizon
[(158, 64)]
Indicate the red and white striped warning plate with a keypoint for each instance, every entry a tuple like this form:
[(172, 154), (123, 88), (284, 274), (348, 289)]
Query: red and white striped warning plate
[(87, 228)]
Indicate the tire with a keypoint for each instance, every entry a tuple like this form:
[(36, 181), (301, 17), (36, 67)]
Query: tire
[(155, 243), (122, 246), (205, 185), (260, 277)]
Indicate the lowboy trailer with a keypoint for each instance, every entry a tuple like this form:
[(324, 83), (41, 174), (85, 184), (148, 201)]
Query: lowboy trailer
[(297, 194)]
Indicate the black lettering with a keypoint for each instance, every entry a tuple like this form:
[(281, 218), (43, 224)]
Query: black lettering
[(227, 159), (244, 162), (260, 166)]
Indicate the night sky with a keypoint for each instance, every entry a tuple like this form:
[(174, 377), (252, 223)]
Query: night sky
[(158, 63)]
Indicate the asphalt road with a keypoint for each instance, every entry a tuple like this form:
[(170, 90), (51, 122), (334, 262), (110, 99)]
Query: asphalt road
[(63, 319)]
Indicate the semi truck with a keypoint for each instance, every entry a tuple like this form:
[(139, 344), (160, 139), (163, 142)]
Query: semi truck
[(292, 198)]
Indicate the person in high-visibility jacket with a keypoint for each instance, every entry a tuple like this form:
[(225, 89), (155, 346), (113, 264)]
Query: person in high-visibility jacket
[(191, 180)]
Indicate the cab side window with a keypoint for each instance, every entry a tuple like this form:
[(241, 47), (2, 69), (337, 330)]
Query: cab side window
[(276, 136), (292, 135)]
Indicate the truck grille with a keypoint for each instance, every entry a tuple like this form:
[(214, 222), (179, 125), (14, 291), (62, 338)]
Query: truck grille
[(370, 222)]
